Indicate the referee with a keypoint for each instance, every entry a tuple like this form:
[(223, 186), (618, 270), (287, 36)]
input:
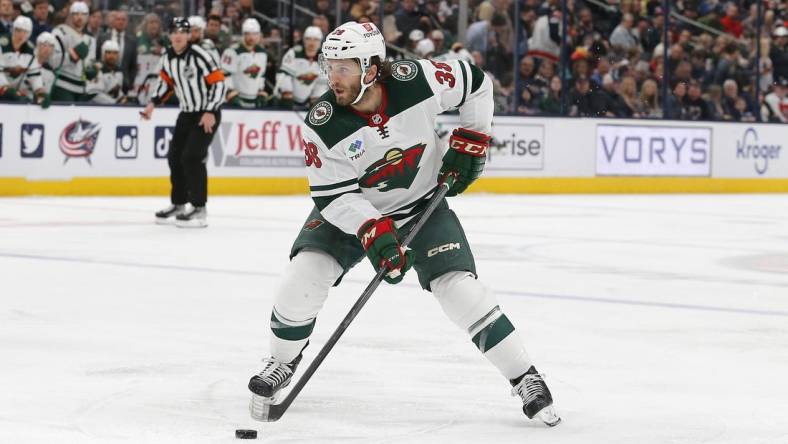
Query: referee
[(198, 82)]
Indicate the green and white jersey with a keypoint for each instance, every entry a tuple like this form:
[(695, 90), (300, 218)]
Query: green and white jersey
[(244, 70), (20, 69), (72, 72), (107, 86), (210, 48), (386, 164), (149, 51), (301, 76)]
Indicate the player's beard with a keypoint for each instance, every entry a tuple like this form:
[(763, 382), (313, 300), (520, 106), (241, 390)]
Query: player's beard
[(349, 94)]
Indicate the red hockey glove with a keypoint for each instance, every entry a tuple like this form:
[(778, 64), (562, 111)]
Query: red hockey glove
[(465, 158), (381, 242)]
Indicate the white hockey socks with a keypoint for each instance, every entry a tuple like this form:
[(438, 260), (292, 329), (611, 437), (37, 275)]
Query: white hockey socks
[(474, 308), (301, 294)]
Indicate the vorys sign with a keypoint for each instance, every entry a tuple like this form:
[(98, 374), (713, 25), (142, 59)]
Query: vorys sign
[(624, 150)]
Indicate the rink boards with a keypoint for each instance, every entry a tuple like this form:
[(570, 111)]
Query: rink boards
[(95, 150)]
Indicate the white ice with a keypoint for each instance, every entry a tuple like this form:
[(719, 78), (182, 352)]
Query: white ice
[(657, 319)]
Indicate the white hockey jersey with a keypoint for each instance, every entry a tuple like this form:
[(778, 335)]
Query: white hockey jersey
[(20, 69), (107, 87), (210, 48), (244, 71), (301, 76), (387, 164), (72, 72), (149, 51)]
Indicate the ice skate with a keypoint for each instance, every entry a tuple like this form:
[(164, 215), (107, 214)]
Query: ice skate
[(167, 215), (197, 217), (266, 385), (537, 400)]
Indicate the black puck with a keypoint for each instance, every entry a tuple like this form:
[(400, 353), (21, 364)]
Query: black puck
[(246, 434)]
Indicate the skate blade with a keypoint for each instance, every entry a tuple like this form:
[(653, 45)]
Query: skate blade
[(194, 223), (164, 221), (548, 416), (260, 406)]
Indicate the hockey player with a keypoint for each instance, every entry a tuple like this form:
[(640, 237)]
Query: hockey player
[(107, 87), (299, 78), (244, 68), (74, 56), (151, 44), (373, 161), (198, 36), (21, 71), (45, 47)]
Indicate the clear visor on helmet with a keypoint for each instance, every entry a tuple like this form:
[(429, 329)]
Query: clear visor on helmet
[(339, 68)]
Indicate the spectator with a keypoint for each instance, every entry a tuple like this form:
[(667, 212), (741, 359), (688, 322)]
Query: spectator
[(324, 7), (731, 22), (75, 56), (730, 94), (499, 45), (6, 16), (775, 105), (614, 103), (585, 102), (526, 104), (647, 35), (778, 53), (629, 100), (127, 45), (414, 38), (214, 32), (716, 108), (408, 16), (674, 108), (622, 36), (107, 87), (438, 40), (40, 19), (551, 103), (389, 29), (425, 49), (695, 108), (95, 24), (648, 103), (546, 37), (477, 36)]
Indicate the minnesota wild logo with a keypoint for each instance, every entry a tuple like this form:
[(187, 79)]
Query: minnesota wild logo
[(252, 71), (397, 169)]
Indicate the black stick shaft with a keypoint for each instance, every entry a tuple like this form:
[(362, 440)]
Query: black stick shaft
[(277, 410)]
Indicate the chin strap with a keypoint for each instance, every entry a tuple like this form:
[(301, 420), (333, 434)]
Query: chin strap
[(361, 81)]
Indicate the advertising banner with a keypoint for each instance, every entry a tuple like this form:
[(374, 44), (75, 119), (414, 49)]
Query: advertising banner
[(746, 150), (630, 150)]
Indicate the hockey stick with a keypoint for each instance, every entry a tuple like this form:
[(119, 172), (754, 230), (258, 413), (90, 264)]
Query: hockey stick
[(272, 412)]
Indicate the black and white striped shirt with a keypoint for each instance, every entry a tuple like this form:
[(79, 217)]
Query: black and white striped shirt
[(194, 76)]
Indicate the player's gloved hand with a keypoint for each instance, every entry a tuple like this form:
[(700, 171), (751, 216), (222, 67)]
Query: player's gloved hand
[(465, 158), (91, 72), (381, 242), (81, 50)]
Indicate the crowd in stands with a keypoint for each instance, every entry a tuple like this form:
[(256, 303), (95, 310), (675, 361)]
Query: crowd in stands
[(613, 63)]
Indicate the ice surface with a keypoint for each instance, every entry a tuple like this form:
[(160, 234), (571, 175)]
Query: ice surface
[(657, 319)]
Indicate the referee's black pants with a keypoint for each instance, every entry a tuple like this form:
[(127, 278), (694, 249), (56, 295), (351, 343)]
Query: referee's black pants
[(187, 159)]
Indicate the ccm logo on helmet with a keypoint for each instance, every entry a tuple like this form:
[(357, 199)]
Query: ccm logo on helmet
[(443, 249)]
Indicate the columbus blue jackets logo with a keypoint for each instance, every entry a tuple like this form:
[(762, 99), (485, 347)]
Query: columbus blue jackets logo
[(78, 139), (397, 169)]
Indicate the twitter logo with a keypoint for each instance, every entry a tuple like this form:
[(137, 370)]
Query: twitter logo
[(32, 140)]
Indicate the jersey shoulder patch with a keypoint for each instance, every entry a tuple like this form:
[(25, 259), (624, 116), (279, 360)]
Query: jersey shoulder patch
[(342, 122), (404, 70)]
